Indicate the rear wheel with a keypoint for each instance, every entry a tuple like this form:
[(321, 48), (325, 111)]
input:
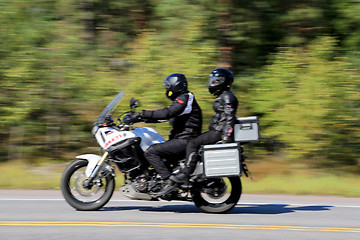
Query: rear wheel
[(217, 195), (79, 195)]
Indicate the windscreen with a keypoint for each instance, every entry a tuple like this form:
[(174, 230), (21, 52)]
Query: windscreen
[(110, 108)]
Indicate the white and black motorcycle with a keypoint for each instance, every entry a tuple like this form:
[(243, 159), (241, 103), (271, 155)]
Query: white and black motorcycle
[(89, 181)]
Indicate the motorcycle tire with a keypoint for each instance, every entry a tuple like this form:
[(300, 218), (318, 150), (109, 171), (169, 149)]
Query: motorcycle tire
[(79, 197), (221, 202)]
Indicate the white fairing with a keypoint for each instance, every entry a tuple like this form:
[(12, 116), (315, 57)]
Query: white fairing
[(93, 159), (108, 136), (148, 137)]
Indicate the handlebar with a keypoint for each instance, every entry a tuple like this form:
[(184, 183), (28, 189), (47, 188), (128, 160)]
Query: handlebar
[(126, 119)]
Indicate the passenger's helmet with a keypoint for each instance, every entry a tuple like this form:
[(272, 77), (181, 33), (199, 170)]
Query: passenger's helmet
[(220, 79), (175, 84)]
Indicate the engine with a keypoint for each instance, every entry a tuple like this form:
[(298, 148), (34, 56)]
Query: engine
[(128, 155), (141, 184)]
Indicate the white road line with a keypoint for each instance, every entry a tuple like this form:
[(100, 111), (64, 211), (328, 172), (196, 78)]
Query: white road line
[(31, 199), (190, 203), (302, 204)]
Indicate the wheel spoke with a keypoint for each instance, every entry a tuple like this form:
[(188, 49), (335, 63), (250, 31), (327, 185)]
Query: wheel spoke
[(80, 192), (78, 195), (217, 195)]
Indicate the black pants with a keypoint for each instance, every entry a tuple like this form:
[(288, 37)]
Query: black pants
[(193, 146), (172, 150)]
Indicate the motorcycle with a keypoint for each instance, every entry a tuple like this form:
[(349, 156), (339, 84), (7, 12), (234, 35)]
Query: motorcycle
[(88, 182)]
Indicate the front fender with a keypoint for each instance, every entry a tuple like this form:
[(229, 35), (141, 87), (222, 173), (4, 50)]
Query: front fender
[(93, 160)]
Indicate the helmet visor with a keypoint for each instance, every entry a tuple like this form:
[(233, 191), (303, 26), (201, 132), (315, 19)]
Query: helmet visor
[(216, 81), (166, 84)]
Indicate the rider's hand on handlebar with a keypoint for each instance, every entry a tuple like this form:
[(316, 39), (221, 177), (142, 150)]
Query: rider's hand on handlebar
[(133, 118)]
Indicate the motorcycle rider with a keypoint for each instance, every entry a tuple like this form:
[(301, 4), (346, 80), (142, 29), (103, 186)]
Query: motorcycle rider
[(185, 117), (220, 129)]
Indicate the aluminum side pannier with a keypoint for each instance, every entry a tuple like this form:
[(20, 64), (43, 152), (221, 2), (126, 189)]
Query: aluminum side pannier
[(247, 129), (222, 160)]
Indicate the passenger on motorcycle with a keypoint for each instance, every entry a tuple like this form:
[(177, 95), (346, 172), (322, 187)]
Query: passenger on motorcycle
[(220, 129), (185, 117)]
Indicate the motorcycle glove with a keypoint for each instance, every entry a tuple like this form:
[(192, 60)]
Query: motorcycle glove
[(136, 117)]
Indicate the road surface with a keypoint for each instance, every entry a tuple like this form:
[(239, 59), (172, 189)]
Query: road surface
[(43, 214)]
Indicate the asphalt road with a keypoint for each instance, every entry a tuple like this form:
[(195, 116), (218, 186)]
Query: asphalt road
[(45, 215)]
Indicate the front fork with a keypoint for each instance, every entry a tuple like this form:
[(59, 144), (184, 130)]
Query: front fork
[(88, 183)]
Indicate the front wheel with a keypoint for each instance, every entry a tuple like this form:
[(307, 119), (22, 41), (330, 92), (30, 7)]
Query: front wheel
[(217, 195), (80, 196)]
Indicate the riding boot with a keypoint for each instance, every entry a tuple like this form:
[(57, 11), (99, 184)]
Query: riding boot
[(169, 187), (182, 177), (179, 178), (191, 163)]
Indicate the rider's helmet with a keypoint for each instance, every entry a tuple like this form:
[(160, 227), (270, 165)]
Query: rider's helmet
[(220, 80), (175, 84)]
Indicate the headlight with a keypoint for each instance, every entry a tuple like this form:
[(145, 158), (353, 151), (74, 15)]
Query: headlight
[(95, 129)]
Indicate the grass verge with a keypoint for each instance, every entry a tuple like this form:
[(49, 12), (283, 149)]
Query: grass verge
[(304, 184), (18, 175)]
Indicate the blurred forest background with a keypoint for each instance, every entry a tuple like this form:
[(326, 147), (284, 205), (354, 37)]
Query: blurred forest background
[(296, 66)]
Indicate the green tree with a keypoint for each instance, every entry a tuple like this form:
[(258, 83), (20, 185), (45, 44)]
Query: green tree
[(345, 21), (307, 100), (179, 45), (48, 72)]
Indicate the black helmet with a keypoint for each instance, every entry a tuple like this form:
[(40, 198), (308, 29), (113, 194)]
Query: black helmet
[(175, 84), (220, 80)]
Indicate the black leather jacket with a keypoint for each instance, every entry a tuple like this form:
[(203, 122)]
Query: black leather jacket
[(184, 115), (224, 118)]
